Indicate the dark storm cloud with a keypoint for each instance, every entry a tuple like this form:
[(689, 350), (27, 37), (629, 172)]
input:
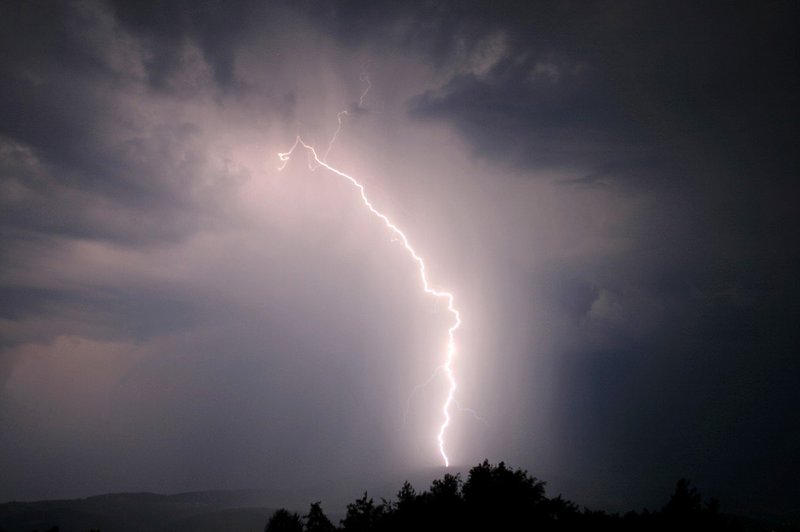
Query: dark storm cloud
[(218, 27), (88, 154), (72, 146), (674, 77), (547, 117)]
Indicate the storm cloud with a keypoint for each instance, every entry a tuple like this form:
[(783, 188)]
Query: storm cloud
[(607, 188)]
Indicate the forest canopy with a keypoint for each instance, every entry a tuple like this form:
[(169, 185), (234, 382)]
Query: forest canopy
[(496, 497)]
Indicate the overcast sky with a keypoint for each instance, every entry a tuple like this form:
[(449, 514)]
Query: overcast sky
[(607, 189)]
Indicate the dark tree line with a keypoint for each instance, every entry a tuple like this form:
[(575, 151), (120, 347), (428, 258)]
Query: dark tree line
[(497, 498)]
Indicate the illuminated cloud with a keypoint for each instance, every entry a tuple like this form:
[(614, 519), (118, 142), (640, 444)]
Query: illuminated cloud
[(608, 189)]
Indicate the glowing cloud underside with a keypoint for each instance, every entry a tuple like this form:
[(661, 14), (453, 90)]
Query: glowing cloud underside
[(314, 162)]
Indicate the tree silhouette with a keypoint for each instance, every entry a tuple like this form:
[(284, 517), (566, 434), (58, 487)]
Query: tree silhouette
[(362, 515), (284, 521), (687, 511), (406, 497), (685, 501), (317, 521), (504, 499), (407, 510), (447, 490), (444, 503), (500, 498)]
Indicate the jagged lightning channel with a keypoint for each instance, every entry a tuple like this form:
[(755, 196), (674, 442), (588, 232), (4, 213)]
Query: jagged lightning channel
[(451, 344), (341, 114)]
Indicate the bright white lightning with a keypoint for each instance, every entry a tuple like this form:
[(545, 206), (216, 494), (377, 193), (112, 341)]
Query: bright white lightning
[(315, 161)]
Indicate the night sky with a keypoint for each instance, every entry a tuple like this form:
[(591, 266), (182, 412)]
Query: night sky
[(609, 189)]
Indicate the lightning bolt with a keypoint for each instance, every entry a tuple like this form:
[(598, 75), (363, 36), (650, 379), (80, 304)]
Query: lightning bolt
[(339, 117), (315, 162), (365, 78), (414, 391), (473, 413), (341, 114)]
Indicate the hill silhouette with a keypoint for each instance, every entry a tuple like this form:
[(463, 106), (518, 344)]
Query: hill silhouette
[(232, 511)]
